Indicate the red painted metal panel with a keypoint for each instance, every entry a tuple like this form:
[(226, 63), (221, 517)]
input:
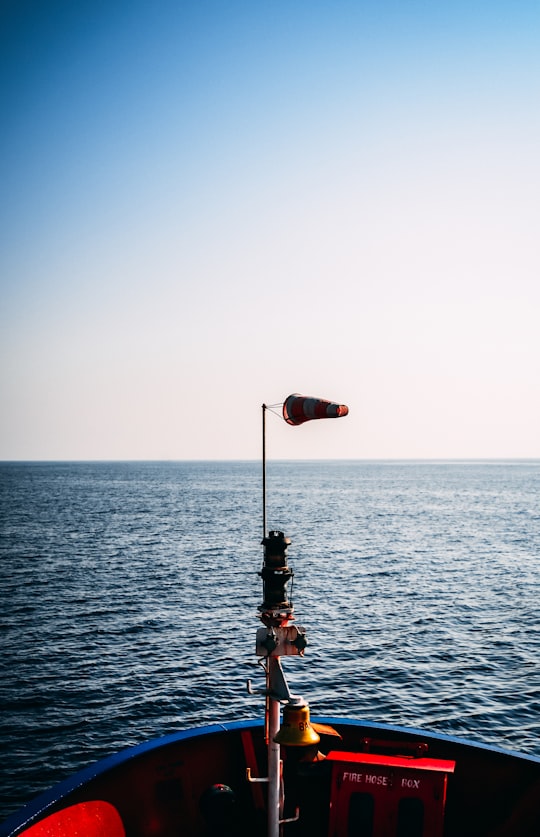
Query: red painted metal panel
[(387, 795)]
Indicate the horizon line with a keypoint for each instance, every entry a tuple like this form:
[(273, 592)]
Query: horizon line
[(257, 460)]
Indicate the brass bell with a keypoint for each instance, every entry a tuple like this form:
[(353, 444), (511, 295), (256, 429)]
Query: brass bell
[(296, 730)]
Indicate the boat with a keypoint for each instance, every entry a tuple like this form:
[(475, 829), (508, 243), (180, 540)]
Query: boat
[(286, 773)]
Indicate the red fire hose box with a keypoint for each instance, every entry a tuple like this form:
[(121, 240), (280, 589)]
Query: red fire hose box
[(391, 796)]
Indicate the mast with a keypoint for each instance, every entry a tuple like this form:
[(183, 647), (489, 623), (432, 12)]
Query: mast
[(264, 408), (271, 712), (279, 637), (274, 639)]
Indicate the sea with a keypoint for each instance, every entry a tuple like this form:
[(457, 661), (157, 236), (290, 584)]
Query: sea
[(130, 593)]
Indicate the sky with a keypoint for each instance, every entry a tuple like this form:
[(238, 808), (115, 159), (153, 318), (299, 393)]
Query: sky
[(208, 205)]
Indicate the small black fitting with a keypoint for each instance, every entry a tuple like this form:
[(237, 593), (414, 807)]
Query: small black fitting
[(300, 642)]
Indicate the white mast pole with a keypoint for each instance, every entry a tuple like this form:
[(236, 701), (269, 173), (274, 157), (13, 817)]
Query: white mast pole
[(274, 759)]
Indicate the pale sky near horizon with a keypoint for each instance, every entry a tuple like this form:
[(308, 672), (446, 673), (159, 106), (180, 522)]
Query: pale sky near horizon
[(209, 205)]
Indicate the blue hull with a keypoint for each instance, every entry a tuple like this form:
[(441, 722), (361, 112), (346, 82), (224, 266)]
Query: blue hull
[(159, 787)]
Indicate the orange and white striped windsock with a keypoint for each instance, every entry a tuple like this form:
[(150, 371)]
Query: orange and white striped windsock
[(300, 408)]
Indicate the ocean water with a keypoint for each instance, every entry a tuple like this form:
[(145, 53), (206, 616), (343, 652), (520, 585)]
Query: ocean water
[(130, 594)]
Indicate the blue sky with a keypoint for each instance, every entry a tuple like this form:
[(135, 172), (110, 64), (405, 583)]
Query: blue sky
[(208, 205)]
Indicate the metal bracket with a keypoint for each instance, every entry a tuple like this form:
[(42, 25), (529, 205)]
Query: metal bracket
[(278, 686), (284, 641), (292, 819), (254, 779)]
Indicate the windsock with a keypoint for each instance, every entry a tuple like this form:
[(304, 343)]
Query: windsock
[(300, 408)]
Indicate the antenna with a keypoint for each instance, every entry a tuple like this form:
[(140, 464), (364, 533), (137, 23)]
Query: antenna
[(264, 408)]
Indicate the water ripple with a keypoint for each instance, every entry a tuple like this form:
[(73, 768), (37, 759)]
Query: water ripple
[(130, 593)]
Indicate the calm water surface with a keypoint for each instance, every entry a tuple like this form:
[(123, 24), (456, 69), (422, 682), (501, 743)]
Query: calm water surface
[(130, 591)]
